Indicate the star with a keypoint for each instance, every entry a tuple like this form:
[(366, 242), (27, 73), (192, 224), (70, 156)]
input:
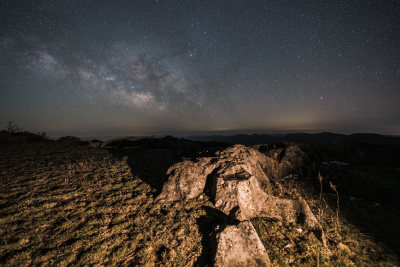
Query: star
[(244, 62)]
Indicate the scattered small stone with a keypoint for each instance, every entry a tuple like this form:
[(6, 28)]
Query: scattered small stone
[(288, 246), (342, 247)]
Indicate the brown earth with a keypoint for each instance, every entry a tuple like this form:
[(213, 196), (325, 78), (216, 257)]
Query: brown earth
[(82, 205)]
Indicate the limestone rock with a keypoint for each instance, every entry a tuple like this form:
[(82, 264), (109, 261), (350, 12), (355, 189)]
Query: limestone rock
[(282, 160), (239, 245), (248, 159), (238, 184), (239, 187), (241, 196), (186, 180), (290, 211)]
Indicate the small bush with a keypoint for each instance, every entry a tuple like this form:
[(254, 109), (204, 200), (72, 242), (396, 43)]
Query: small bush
[(12, 127)]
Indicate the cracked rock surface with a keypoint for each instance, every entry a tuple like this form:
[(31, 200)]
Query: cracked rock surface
[(238, 185), (239, 245)]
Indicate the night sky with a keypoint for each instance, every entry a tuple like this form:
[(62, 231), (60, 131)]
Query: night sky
[(92, 68)]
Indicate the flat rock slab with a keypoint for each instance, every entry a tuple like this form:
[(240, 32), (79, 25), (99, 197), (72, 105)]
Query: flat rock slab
[(240, 197), (239, 245)]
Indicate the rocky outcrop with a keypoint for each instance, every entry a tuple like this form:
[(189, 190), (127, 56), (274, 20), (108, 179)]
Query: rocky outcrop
[(237, 183), (186, 180), (282, 159)]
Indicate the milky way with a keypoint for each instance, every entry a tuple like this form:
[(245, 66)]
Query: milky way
[(155, 67)]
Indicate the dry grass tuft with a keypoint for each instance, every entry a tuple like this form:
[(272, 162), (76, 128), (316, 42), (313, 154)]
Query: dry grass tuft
[(289, 244)]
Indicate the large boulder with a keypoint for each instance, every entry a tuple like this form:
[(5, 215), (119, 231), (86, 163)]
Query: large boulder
[(238, 186), (237, 183), (239, 245), (248, 159), (283, 159), (186, 180), (239, 196)]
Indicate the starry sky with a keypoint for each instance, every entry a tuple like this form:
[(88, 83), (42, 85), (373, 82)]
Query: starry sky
[(94, 67)]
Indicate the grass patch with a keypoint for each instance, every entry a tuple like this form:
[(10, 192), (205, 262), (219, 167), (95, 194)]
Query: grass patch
[(82, 206), (77, 205)]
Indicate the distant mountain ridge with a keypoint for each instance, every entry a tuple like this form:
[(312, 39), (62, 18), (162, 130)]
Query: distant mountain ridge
[(321, 138)]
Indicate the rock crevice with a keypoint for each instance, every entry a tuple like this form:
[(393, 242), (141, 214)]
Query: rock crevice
[(239, 187)]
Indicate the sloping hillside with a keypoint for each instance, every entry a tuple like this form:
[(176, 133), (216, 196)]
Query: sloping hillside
[(74, 204)]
